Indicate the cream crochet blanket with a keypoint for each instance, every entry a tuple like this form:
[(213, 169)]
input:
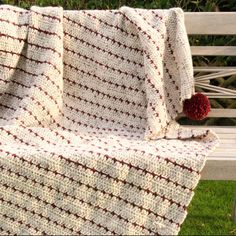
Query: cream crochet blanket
[(88, 141)]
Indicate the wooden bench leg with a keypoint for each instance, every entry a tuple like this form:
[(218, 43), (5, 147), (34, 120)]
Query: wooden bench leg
[(234, 209)]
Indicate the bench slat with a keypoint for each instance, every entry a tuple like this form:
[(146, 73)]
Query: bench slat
[(221, 163), (213, 50), (213, 68), (213, 23), (227, 146), (222, 152), (218, 95), (229, 113), (219, 170)]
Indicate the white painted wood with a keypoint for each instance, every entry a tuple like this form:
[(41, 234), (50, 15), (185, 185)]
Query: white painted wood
[(215, 88), (215, 75), (229, 141), (213, 68), (218, 95), (213, 50), (219, 170), (230, 113), (227, 146), (221, 163), (227, 154), (215, 23)]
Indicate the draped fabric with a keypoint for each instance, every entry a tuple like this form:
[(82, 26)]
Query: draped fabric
[(88, 138)]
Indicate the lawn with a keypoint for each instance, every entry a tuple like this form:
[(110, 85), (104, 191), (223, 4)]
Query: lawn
[(210, 209)]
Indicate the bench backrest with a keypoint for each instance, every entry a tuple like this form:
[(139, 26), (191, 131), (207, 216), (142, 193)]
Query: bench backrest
[(213, 23)]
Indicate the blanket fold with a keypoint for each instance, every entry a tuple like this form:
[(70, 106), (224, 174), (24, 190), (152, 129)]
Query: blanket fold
[(88, 139)]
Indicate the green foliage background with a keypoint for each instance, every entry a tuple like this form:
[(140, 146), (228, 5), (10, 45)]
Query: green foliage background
[(187, 5)]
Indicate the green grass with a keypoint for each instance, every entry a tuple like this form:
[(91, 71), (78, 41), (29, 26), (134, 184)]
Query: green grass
[(210, 210)]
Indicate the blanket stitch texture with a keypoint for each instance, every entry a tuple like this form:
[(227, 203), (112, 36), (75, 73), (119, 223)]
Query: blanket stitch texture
[(88, 139)]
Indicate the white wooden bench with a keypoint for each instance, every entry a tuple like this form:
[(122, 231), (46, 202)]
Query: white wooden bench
[(221, 164)]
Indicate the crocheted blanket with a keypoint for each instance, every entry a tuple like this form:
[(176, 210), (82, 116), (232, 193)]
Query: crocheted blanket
[(88, 139)]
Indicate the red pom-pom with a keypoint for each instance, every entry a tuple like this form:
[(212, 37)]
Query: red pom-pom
[(197, 107)]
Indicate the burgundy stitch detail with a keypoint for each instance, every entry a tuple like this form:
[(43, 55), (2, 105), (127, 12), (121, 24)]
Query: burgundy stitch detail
[(9, 9), (20, 222), (103, 106), (60, 208), (44, 31), (31, 59), (110, 25), (31, 44), (13, 23), (103, 36), (33, 211), (89, 186), (12, 37), (47, 16), (104, 94), (7, 231), (101, 118), (110, 53), (139, 28)]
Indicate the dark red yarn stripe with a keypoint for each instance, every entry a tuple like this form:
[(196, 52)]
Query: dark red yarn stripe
[(13, 10), (29, 226), (31, 131), (89, 186), (140, 51), (32, 74), (13, 23), (103, 65), (46, 16), (48, 95), (102, 79), (149, 37), (38, 87), (103, 36), (144, 32), (102, 118), (31, 44), (116, 27), (110, 53), (60, 208), (45, 31), (105, 107), (166, 159), (169, 44), (5, 230), (72, 196), (33, 211), (159, 157), (93, 170), (31, 27), (71, 108), (122, 100), (27, 12), (31, 59)]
